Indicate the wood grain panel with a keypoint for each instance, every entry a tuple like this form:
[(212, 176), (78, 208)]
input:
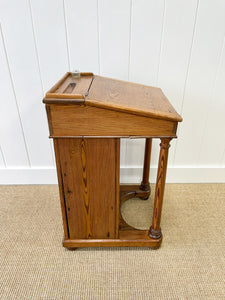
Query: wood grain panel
[(130, 97), (76, 206), (61, 189), (80, 120), (88, 172)]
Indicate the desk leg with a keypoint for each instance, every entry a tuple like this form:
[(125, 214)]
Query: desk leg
[(145, 185), (155, 230)]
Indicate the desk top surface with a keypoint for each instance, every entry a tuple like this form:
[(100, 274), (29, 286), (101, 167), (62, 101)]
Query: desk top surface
[(112, 94)]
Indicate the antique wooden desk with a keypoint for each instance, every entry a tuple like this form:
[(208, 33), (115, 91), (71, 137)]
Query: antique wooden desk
[(87, 116)]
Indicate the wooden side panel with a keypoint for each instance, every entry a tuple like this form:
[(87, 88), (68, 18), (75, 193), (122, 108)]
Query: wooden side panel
[(61, 190), (89, 179), (80, 120)]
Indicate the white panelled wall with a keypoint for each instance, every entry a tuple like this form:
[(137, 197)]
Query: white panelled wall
[(178, 45)]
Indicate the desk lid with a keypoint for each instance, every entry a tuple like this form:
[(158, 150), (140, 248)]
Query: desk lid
[(112, 94)]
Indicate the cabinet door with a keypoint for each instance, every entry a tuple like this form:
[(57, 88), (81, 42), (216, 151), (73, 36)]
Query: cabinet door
[(88, 173)]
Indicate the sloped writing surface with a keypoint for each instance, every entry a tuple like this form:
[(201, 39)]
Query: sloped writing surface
[(130, 97), (112, 94)]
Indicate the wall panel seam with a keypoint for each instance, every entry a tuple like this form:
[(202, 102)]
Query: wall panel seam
[(35, 46), (161, 42), (38, 61), (212, 95), (3, 158), (223, 156), (14, 93), (66, 34), (129, 53), (99, 51), (186, 78)]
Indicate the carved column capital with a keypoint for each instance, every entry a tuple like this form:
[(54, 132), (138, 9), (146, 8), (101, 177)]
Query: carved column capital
[(165, 143)]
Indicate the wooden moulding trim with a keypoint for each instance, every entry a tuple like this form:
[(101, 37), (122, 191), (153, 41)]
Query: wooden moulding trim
[(48, 111), (112, 136), (61, 191), (64, 101), (175, 128), (117, 185), (154, 243), (85, 74), (66, 96), (134, 111)]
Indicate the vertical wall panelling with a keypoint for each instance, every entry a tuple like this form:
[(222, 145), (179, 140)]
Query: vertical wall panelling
[(11, 132), (20, 47), (213, 139), (50, 37), (179, 27), (114, 30), (146, 37), (2, 161), (114, 43), (223, 159), (49, 31), (147, 22), (82, 30), (208, 40), (178, 45)]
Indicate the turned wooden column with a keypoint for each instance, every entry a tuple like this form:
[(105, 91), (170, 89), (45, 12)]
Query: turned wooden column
[(155, 230), (145, 185)]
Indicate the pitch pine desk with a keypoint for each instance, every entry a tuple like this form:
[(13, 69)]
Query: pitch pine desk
[(87, 116)]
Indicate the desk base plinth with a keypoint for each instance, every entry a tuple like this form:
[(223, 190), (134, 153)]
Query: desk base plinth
[(131, 238), (128, 236)]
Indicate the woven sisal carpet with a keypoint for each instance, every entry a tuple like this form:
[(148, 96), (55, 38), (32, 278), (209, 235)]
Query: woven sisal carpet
[(189, 265)]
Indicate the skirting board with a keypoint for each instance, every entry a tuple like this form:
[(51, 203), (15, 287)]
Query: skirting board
[(128, 175)]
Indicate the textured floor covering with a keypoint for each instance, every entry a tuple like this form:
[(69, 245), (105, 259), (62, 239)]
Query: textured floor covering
[(189, 265)]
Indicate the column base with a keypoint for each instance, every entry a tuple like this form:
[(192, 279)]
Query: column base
[(128, 191), (145, 187), (155, 234)]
